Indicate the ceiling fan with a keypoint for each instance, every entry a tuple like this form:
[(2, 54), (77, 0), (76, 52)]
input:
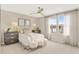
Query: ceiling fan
[(39, 11)]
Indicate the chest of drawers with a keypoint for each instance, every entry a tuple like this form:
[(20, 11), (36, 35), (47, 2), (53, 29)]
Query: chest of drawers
[(10, 37)]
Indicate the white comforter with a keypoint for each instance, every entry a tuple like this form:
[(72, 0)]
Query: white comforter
[(32, 40)]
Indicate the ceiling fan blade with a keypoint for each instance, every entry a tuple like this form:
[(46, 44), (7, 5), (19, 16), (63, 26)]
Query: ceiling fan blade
[(42, 9), (39, 11), (42, 14), (39, 8)]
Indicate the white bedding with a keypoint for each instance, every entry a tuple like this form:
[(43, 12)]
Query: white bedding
[(32, 40)]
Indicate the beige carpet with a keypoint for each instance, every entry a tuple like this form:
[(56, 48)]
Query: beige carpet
[(57, 48), (13, 49), (51, 48)]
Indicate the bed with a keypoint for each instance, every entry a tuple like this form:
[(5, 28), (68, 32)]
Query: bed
[(32, 40)]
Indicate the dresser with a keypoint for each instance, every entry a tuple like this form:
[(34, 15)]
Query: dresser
[(10, 37)]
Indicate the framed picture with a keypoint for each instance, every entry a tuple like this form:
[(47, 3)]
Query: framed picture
[(27, 23), (20, 22), (24, 22)]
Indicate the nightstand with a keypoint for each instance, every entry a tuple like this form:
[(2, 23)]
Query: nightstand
[(36, 31)]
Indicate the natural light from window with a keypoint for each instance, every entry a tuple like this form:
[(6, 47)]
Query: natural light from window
[(60, 24)]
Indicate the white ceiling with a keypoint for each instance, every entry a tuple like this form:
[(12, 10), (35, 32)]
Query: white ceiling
[(31, 8)]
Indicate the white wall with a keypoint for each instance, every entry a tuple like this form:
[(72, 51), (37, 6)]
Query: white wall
[(43, 25), (0, 22), (73, 28), (78, 28)]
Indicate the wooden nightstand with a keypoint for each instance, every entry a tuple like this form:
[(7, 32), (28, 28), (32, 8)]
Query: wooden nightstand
[(36, 31), (10, 37)]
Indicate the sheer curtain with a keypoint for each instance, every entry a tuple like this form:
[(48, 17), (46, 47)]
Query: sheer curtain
[(67, 25), (73, 28), (67, 28)]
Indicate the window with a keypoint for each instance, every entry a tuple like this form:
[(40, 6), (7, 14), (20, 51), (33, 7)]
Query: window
[(60, 24), (53, 24)]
